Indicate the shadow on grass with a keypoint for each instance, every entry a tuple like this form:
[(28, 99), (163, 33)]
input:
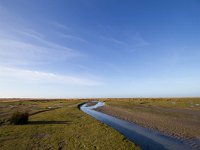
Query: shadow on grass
[(41, 111), (48, 122)]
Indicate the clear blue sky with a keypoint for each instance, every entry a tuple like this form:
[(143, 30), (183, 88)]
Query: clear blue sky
[(99, 48)]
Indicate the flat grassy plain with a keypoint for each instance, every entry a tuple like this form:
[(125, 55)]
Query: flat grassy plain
[(178, 117), (56, 124)]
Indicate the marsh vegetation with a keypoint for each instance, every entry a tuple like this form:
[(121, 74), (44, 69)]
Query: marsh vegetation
[(65, 127)]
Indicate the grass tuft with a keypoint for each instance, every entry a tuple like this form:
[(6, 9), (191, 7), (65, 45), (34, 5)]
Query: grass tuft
[(19, 118)]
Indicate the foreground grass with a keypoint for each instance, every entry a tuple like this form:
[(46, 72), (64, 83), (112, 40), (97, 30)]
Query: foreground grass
[(64, 128)]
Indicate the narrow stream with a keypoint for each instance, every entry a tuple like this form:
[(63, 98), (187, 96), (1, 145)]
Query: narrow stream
[(147, 139)]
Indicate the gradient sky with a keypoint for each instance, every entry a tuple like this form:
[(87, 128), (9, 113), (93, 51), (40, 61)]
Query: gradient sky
[(99, 48)]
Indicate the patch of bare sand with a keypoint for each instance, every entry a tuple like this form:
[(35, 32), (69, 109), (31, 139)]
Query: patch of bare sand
[(179, 123)]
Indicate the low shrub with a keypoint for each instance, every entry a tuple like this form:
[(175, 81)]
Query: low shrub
[(19, 118)]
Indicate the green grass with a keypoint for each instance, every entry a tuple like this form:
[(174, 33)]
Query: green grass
[(189, 103), (63, 128)]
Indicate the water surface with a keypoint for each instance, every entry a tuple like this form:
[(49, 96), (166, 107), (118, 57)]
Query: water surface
[(147, 139)]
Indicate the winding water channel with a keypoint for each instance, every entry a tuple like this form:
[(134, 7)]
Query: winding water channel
[(147, 139)]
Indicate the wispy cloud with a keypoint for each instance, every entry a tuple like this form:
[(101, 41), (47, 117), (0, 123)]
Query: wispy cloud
[(40, 38), (30, 33), (127, 39), (139, 40), (114, 40), (71, 37), (60, 25), (32, 46), (131, 41), (33, 76)]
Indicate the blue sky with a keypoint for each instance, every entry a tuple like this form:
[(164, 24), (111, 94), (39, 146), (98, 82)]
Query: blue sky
[(99, 48)]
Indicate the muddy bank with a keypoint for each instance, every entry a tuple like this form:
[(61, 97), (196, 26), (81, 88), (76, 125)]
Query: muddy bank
[(179, 123)]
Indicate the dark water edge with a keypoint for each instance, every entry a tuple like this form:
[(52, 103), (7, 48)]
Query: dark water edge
[(147, 139)]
